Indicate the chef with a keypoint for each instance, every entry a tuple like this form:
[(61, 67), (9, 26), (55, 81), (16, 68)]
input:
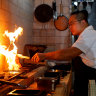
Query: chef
[(84, 47)]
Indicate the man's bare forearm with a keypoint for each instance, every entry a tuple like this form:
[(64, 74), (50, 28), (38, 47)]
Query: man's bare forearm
[(64, 54)]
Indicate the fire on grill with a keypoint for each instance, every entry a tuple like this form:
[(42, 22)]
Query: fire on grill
[(19, 77), (16, 74), (10, 52)]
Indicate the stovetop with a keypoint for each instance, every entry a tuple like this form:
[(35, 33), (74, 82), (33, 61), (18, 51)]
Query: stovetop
[(21, 79)]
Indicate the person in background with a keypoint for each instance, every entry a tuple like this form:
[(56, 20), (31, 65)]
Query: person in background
[(84, 47)]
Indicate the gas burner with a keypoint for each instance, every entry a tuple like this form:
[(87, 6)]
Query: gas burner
[(21, 79), (9, 74)]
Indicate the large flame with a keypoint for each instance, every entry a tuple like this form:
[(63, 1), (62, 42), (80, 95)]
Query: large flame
[(11, 52)]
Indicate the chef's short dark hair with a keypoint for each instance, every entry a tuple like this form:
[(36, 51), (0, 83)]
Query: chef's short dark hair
[(81, 15)]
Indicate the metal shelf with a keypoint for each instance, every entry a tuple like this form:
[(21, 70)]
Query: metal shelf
[(83, 0)]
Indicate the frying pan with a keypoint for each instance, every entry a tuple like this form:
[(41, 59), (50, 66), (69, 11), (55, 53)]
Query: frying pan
[(43, 13), (61, 23)]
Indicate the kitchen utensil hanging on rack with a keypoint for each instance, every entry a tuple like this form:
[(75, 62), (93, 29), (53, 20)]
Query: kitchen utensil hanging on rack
[(84, 5), (88, 8), (54, 10), (80, 7), (61, 23), (43, 13)]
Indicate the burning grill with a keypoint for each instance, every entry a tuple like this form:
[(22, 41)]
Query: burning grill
[(10, 80), (22, 78), (20, 75)]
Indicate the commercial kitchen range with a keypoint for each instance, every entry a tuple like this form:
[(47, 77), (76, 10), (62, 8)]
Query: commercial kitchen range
[(24, 82), (25, 79)]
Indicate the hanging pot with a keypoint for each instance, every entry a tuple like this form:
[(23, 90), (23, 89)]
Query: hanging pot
[(61, 23), (43, 13)]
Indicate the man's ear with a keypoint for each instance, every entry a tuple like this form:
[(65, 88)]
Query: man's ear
[(83, 21)]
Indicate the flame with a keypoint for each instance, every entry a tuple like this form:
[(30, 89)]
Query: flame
[(21, 56), (11, 52)]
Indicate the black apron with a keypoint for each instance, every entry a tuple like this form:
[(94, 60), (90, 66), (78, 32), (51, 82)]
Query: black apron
[(82, 75)]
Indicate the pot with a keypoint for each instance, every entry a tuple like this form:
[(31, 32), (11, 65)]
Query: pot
[(46, 83), (65, 67), (61, 72), (43, 13), (53, 73)]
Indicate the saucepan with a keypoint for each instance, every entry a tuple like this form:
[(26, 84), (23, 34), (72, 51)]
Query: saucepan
[(53, 73), (46, 83), (61, 72)]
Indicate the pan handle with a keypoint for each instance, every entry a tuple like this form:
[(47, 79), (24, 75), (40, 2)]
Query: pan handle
[(61, 9), (12, 83)]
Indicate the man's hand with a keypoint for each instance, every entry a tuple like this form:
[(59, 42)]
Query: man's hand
[(38, 57)]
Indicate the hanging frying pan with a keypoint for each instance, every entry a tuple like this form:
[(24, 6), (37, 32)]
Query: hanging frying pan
[(62, 21), (43, 13)]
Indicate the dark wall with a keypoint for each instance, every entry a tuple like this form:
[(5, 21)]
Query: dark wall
[(92, 15)]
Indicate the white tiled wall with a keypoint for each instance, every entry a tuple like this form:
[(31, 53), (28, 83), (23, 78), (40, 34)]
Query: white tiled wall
[(15, 13), (46, 33)]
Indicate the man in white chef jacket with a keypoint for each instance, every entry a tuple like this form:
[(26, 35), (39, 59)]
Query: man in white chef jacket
[(84, 47)]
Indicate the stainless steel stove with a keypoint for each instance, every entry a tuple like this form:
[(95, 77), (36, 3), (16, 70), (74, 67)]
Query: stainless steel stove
[(21, 79)]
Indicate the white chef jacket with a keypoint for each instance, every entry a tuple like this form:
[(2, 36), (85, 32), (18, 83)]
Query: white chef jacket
[(86, 42)]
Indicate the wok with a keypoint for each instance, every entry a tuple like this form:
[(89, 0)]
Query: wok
[(43, 13)]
